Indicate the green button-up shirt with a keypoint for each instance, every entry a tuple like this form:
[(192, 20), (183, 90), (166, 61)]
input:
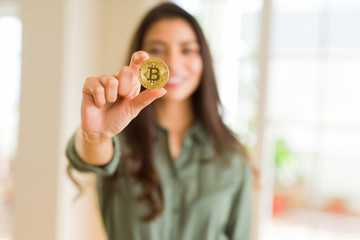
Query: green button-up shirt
[(203, 201)]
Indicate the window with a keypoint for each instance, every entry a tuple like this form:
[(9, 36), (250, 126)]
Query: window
[(10, 64), (313, 131)]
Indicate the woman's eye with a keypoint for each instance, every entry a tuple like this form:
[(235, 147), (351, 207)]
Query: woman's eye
[(189, 51)]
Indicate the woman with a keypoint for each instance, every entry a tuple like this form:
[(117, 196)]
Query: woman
[(167, 166)]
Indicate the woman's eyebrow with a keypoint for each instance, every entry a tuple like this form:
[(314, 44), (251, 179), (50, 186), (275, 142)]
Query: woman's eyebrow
[(155, 42), (159, 42), (190, 42)]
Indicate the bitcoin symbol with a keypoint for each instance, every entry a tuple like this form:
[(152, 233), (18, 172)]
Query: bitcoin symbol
[(151, 74)]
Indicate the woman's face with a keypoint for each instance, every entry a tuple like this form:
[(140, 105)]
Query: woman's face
[(175, 42)]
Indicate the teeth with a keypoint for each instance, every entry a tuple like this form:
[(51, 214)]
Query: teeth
[(174, 80)]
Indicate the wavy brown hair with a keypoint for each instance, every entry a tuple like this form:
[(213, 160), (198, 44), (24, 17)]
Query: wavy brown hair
[(141, 132)]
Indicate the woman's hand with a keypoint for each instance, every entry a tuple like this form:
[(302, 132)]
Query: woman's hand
[(109, 103)]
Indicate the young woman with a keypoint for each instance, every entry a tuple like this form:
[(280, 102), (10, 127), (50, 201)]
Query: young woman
[(167, 166)]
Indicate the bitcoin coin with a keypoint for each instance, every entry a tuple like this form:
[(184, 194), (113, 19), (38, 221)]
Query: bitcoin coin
[(153, 73)]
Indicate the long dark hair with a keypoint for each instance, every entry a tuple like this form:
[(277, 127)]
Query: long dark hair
[(141, 132)]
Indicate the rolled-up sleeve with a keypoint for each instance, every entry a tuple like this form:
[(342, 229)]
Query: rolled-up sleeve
[(80, 165)]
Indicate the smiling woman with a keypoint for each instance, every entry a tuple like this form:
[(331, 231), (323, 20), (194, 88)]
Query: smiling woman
[(167, 166)]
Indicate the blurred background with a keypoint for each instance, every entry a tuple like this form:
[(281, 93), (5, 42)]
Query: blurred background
[(289, 78)]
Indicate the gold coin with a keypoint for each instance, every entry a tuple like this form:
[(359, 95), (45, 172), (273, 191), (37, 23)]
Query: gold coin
[(153, 73)]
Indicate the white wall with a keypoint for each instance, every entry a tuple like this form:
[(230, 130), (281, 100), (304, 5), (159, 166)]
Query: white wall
[(37, 162)]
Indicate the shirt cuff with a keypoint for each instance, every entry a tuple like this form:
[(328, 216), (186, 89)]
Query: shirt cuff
[(80, 165)]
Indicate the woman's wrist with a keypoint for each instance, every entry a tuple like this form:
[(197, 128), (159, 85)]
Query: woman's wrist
[(94, 148), (94, 138)]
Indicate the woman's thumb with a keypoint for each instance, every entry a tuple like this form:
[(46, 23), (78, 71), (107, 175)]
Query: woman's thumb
[(145, 98)]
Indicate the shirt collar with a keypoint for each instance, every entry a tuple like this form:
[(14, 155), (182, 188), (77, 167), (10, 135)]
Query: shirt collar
[(195, 135)]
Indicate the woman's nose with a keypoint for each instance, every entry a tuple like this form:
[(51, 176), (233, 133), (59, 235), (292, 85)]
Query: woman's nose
[(173, 61)]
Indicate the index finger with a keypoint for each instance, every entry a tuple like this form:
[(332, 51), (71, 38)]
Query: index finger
[(137, 58)]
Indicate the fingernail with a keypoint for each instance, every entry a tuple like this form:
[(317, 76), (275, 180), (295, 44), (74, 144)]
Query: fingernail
[(164, 92), (136, 57), (143, 54)]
